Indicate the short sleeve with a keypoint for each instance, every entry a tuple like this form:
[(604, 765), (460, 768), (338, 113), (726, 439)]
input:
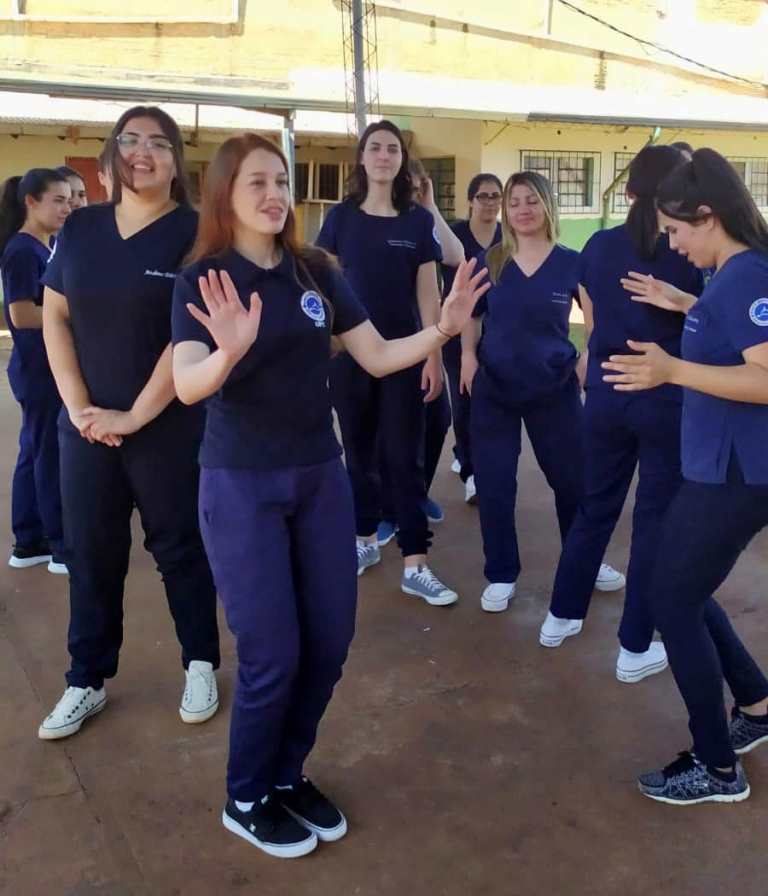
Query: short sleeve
[(54, 271), (328, 237), (481, 307), (348, 311), (697, 282), (429, 241), (184, 327), (583, 265), (21, 270), (746, 315)]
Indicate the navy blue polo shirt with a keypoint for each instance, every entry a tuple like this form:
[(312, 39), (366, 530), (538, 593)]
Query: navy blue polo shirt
[(380, 258), (274, 410), (119, 294), (22, 265), (730, 317), (607, 257), (525, 351), (472, 249)]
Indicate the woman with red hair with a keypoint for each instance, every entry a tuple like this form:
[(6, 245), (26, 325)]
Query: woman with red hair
[(253, 318)]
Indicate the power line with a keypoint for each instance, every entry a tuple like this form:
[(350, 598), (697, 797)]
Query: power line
[(655, 46)]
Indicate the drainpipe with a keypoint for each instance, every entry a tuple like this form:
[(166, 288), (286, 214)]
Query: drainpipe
[(608, 194)]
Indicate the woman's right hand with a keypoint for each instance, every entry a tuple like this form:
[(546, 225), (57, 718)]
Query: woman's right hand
[(82, 423), (469, 367), (233, 328), (646, 288)]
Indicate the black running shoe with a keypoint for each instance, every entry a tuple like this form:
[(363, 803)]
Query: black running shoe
[(30, 555), (312, 809), (269, 827), (686, 781), (746, 732)]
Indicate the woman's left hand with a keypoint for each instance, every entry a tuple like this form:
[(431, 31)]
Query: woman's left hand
[(432, 377), (651, 367), (467, 289), (105, 422)]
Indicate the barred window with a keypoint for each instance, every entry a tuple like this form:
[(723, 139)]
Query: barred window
[(575, 176), (327, 182), (301, 190), (621, 162), (754, 173), (442, 173)]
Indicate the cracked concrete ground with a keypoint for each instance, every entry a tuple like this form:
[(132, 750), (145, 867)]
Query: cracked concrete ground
[(469, 760)]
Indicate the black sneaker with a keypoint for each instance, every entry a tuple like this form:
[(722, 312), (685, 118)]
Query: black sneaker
[(313, 809), (268, 826), (31, 555), (686, 782), (746, 733)]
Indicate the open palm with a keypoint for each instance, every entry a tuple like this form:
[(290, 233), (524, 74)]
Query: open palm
[(234, 327), (467, 289)]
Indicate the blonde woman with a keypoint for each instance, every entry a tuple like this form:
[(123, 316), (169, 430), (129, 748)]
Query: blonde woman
[(523, 370)]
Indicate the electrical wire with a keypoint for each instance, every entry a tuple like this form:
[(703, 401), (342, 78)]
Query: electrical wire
[(655, 46)]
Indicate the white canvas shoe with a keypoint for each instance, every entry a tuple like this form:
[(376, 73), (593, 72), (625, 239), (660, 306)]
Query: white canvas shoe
[(496, 597), (555, 631), (201, 696), (74, 707)]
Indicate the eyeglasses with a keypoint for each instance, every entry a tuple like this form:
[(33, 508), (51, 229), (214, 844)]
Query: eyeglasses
[(152, 144), (488, 197)]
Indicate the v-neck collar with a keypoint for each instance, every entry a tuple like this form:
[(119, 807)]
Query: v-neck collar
[(144, 229), (539, 268)]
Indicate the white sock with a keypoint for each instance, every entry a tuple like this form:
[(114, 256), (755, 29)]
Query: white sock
[(244, 807), (410, 571)]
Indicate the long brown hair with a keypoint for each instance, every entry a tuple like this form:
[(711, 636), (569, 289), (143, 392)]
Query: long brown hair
[(111, 159), (216, 230)]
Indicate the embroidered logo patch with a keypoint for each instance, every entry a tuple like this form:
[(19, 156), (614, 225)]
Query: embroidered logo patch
[(758, 312), (312, 306), (435, 235)]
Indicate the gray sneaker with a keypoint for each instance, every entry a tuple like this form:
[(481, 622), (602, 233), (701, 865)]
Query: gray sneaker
[(367, 555), (686, 782), (746, 733), (425, 584)]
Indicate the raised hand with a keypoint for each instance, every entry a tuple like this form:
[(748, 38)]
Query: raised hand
[(646, 288), (468, 287), (233, 327)]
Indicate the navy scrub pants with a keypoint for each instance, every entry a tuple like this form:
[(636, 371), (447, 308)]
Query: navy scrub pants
[(705, 530), (383, 418), (622, 432), (35, 491), (554, 426), (282, 550), (460, 407), (156, 470)]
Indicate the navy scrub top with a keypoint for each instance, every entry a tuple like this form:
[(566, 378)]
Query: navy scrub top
[(472, 249), (730, 317), (381, 257), (22, 265), (524, 352), (119, 293), (608, 256), (274, 410)]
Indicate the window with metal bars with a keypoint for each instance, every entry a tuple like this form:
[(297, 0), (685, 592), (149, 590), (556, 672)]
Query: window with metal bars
[(327, 182), (754, 173), (575, 176), (301, 189), (621, 162), (442, 173)]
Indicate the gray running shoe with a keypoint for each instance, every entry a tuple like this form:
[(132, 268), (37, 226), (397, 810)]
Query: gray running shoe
[(746, 733), (425, 584), (367, 555), (686, 782)]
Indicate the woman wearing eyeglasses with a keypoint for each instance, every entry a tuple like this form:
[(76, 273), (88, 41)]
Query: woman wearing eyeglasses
[(478, 233), (125, 440)]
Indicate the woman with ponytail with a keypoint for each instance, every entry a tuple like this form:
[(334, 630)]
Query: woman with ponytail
[(624, 432), (33, 209), (711, 219)]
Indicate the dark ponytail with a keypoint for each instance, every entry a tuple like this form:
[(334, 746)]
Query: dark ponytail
[(710, 180), (13, 207), (646, 171)]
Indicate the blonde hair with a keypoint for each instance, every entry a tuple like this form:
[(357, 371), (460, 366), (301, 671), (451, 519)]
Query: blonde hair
[(499, 254)]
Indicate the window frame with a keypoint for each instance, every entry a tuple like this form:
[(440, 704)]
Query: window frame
[(554, 159)]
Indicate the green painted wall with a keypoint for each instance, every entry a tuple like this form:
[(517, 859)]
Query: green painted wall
[(574, 232)]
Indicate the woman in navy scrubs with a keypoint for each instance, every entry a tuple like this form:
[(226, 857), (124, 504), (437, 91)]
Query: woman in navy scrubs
[(252, 323), (712, 220), (625, 433), (477, 234), (79, 196), (33, 209), (526, 374), (389, 249), (125, 440)]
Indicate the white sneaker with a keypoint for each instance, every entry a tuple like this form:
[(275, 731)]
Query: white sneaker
[(496, 597), (609, 579), (71, 711), (424, 583), (470, 492), (555, 631), (57, 567), (632, 667), (201, 697), (368, 554), (455, 466)]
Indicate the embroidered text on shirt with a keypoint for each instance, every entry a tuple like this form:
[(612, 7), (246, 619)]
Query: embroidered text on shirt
[(167, 274)]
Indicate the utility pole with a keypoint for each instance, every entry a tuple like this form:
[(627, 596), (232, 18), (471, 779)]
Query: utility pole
[(361, 76), (358, 42)]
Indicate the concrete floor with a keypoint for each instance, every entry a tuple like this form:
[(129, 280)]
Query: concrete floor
[(469, 760)]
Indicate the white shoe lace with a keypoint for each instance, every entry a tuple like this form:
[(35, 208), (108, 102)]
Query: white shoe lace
[(607, 572), (363, 549), (429, 580)]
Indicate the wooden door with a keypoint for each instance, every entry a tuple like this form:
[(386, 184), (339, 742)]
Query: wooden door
[(88, 169)]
